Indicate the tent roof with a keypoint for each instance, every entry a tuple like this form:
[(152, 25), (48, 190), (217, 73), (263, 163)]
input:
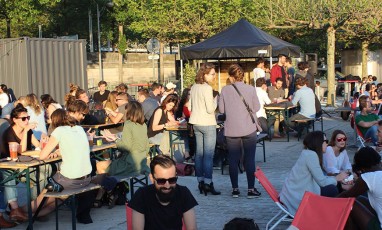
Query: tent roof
[(241, 40)]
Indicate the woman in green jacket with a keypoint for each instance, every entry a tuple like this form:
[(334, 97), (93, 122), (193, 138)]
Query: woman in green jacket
[(134, 145)]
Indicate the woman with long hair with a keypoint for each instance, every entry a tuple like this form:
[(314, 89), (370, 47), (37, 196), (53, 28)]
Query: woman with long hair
[(162, 117), (307, 174), (75, 168), (239, 128), (20, 132), (335, 158), (110, 101), (202, 106), (50, 105), (37, 116), (133, 143)]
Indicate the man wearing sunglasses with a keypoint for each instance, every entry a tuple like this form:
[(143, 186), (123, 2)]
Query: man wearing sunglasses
[(163, 204)]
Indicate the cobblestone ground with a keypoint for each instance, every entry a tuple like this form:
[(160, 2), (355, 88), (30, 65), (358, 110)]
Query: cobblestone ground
[(214, 211)]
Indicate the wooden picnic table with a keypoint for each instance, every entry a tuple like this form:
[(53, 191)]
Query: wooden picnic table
[(279, 109), (98, 127), (175, 134), (17, 168)]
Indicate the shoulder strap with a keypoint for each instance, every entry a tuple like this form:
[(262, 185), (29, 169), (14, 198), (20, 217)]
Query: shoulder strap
[(245, 103)]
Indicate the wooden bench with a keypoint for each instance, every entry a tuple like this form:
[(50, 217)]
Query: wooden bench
[(302, 124), (67, 195), (138, 179), (260, 140)]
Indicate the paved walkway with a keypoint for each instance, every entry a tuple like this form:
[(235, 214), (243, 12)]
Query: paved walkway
[(214, 211)]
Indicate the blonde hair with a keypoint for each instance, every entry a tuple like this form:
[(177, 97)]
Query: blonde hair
[(110, 102), (32, 101)]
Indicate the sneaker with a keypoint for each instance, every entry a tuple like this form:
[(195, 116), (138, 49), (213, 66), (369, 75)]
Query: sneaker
[(253, 194), (235, 193)]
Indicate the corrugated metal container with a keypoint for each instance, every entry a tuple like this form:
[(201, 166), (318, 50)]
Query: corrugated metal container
[(41, 65), (351, 61)]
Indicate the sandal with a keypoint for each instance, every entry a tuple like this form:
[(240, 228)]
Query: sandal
[(98, 202), (111, 198)]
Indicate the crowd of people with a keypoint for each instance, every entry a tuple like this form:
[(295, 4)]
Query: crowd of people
[(321, 168)]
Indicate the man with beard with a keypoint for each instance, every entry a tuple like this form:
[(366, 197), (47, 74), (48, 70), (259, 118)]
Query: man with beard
[(163, 204)]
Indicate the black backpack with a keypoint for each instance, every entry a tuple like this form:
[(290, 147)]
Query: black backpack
[(241, 224)]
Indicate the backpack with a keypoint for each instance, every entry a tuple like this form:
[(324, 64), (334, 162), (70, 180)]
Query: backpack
[(241, 224)]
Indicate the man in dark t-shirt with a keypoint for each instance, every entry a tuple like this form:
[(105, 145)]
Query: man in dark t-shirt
[(101, 95), (164, 204)]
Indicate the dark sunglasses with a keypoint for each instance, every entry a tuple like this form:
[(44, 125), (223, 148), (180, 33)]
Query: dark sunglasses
[(161, 181), (24, 118), (118, 99), (326, 141), (341, 139), (84, 114)]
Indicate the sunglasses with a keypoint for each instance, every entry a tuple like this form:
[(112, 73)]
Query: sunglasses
[(24, 118), (161, 181), (118, 99), (326, 141), (341, 139)]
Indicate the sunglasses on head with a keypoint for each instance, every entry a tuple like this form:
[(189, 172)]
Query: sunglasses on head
[(162, 181), (341, 139), (24, 118)]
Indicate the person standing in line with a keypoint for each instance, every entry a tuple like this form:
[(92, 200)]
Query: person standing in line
[(240, 130), (278, 71), (202, 107), (290, 72)]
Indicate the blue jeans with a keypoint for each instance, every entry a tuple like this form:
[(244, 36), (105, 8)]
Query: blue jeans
[(235, 145), (205, 148), (372, 133), (3, 204)]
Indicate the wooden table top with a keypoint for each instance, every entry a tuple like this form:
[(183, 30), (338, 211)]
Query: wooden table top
[(278, 107), (27, 164), (101, 125), (104, 146)]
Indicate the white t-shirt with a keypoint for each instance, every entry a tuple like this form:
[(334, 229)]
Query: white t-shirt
[(75, 151), (4, 99), (258, 73), (374, 183), (263, 99), (333, 164)]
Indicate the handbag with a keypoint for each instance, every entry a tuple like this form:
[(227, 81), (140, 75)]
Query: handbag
[(53, 186), (254, 118)]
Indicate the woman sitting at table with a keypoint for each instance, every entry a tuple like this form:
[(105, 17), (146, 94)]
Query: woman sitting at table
[(74, 149), (20, 132), (134, 145), (162, 117), (307, 174), (37, 115), (50, 105), (336, 159)]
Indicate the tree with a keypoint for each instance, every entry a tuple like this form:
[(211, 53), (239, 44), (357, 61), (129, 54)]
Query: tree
[(327, 15), (22, 16)]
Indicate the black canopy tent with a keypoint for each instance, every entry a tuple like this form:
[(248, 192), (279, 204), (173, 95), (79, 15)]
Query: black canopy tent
[(241, 40)]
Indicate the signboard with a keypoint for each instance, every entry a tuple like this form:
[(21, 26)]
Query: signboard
[(154, 57), (262, 51), (153, 45)]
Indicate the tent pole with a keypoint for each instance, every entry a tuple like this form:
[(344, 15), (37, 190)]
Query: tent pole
[(181, 70), (219, 76)]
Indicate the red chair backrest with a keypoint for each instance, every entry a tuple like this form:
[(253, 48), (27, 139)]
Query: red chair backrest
[(129, 218), (317, 212), (267, 184)]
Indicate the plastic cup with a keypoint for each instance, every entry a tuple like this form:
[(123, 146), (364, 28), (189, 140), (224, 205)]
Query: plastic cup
[(90, 139), (99, 142), (13, 147)]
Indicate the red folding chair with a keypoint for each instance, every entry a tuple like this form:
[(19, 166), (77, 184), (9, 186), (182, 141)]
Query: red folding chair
[(318, 212), (129, 218), (283, 214), (358, 133)]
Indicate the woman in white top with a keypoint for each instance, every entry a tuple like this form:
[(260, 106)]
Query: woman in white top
[(36, 114), (336, 159), (50, 105), (202, 107), (4, 98), (366, 212)]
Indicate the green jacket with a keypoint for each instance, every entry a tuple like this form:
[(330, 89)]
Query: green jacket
[(134, 145)]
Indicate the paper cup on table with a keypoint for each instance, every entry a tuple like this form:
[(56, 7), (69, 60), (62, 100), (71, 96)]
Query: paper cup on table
[(90, 139), (13, 147)]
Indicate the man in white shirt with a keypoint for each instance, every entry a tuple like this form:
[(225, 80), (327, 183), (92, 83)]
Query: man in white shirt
[(305, 97), (259, 70), (261, 91)]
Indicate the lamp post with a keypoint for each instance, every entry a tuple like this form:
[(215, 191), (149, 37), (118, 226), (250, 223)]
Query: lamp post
[(99, 45)]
